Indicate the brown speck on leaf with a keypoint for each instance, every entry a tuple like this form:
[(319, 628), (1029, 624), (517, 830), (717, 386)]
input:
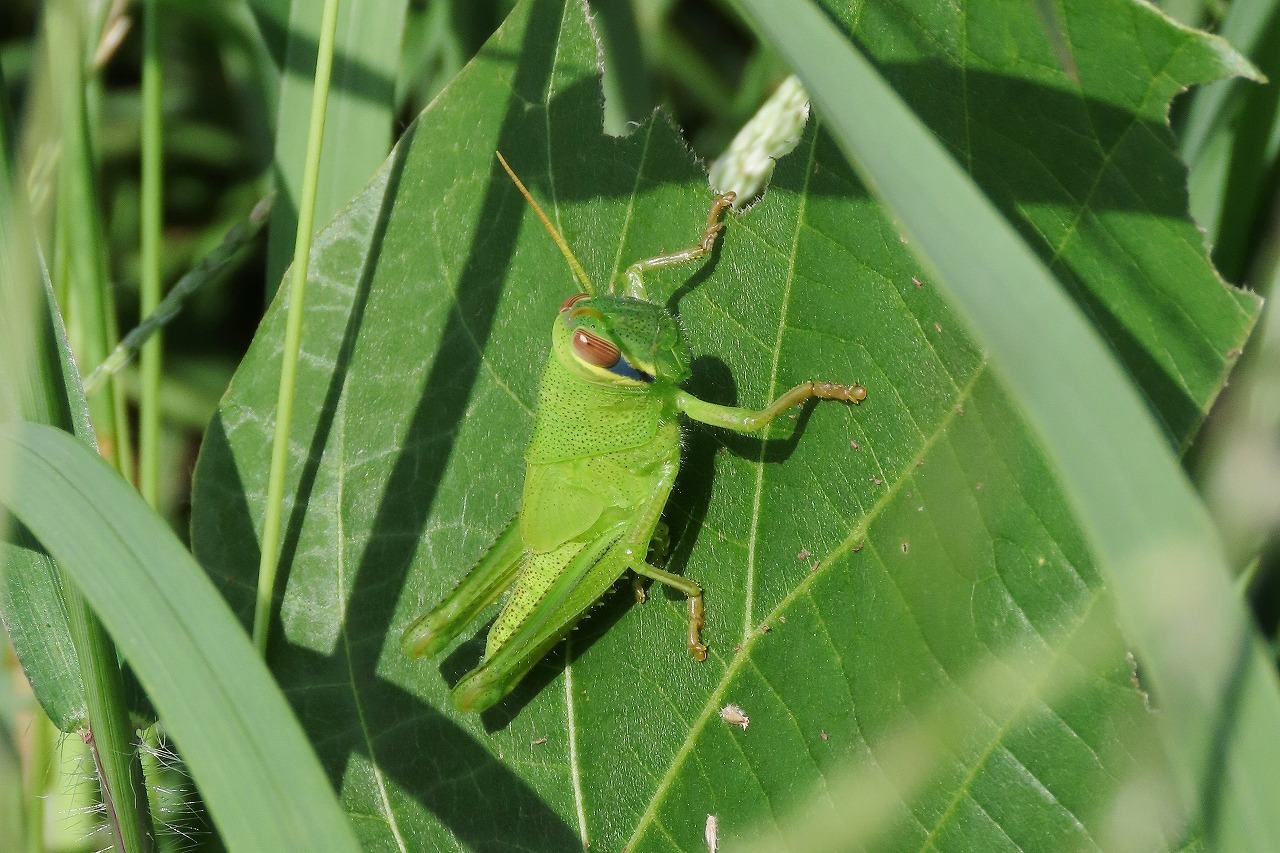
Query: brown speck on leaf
[(734, 716), (1234, 352), (858, 547), (538, 741), (877, 481), (919, 463), (737, 648), (937, 327), (823, 734), (764, 628), (960, 410), (917, 282), (804, 554), (814, 567), (782, 619), (979, 486), (855, 445)]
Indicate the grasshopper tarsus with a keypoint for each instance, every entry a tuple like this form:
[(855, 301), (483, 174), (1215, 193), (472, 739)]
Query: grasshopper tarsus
[(637, 587), (697, 648), (833, 391)]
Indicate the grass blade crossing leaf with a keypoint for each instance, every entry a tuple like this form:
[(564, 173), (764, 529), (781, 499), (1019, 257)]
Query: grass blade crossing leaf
[(262, 783), (1155, 544)]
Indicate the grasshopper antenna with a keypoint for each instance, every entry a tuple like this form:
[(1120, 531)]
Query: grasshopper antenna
[(578, 271)]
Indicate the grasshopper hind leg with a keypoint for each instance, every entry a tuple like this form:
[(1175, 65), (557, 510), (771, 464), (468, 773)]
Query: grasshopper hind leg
[(522, 642), (659, 545), (480, 587), (693, 592)]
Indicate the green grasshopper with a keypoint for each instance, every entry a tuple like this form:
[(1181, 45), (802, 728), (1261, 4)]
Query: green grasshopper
[(599, 469)]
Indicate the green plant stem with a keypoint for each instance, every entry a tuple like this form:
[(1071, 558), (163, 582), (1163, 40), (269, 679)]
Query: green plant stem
[(205, 270), (40, 761), (79, 237), (152, 216), (293, 332)]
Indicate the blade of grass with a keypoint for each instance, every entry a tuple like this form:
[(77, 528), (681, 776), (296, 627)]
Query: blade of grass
[(293, 333), (1155, 545), (79, 231), (36, 359), (151, 224), (263, 785), (360, 113), (14, 792), (42, 756), (1245, 26), (1239, 462), (626, 78), (1229, 140)]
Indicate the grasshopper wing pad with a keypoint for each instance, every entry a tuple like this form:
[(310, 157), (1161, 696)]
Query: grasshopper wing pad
[(561, 502), (568, 507)]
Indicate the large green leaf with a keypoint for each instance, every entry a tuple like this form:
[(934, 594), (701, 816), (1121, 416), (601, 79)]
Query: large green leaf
[(1156, 548), (892, 550)]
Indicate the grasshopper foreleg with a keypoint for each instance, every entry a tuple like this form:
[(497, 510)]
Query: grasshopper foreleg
[(635, 284), (750, 420)]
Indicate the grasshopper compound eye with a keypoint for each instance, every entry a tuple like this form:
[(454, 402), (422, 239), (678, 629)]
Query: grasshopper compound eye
[(594, 349)]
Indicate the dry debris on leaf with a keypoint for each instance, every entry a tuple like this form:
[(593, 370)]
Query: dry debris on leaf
[(734, 716)]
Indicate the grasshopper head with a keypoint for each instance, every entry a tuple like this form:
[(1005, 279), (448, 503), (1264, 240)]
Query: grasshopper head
[(617, 340)]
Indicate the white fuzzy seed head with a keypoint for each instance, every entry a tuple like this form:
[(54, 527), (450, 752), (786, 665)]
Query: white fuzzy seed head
[(772, 132)]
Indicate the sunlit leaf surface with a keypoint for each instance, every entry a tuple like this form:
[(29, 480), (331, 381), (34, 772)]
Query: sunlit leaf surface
[(889, 550)]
